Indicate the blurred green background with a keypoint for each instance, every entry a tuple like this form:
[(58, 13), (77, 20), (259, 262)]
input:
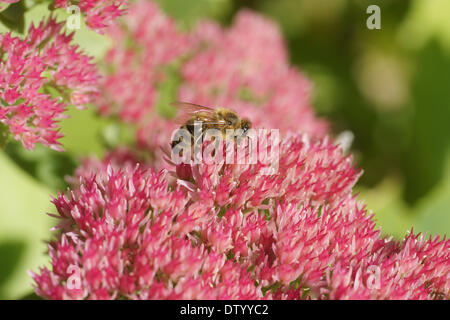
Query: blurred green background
[(390, 87)]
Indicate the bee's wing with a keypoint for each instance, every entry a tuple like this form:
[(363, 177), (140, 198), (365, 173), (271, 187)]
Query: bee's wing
[(188, 110)]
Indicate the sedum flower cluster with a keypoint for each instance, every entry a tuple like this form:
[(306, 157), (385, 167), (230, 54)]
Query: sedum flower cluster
[(99, 14), (133, 227), (230, 232), (40, 76), (244, 67)]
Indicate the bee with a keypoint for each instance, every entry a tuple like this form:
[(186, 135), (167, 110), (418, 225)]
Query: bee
[(219, 118)]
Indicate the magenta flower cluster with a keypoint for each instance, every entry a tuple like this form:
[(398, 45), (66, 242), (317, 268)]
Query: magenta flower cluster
[(99, 14), (244, 67), (145, 43), (32, 70), (232, 233), (133, 227)]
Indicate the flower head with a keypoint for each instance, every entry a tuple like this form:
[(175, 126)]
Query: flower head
[(232, 233), (224, 230), (99, 13), (30, 71), (244, 67), (414, 268), (118, 236), (146, 44)]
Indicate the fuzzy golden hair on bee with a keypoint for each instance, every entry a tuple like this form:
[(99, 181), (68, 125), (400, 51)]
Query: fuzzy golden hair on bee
[(219, 118)]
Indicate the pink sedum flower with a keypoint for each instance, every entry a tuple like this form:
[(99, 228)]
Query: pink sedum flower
[(29, 69), (133, 252), (223, 231), (229, 232), (99, 14), (244, 67), (414, 268), (146, 43)]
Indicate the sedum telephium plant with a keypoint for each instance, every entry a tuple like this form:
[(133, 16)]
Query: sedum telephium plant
[(244, 67), (232, 233), (134, 227), (98, 14), (40, 76), (42, 73)]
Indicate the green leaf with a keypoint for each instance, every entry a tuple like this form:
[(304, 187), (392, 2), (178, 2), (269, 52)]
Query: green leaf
[(83, 132), (433, 212), (45, 165), (391, 212), (86, 133), (13, 16), (425, 159), (426, 20), (11, 251), (434, 215), (23, 228)]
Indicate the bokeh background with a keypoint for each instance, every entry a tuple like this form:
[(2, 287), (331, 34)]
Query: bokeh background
[(389, 87)]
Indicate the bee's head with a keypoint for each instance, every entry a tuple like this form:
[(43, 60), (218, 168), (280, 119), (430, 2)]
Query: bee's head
[(245, 125)]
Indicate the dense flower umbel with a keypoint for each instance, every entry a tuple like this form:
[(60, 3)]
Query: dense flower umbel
[(244, 68), (32, 69), (415, 268), (146, 43), (98, 13), (232, 233), (118, 231)]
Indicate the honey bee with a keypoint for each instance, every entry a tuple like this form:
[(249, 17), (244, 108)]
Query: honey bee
[(219, 118)]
